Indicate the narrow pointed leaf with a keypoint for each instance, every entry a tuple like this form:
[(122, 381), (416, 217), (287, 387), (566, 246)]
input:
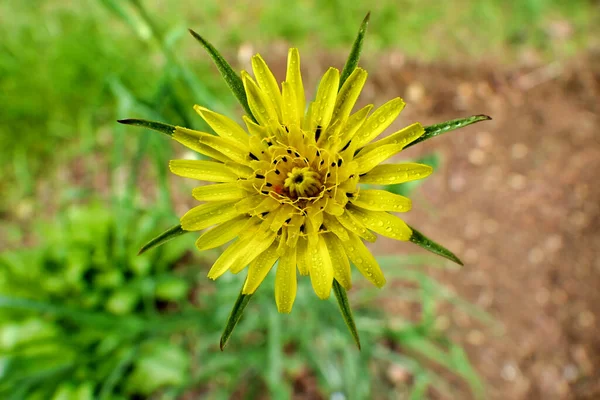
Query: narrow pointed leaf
[(342, 298), (232, 79), (354, 55), (438, 129), (155, 126), (164, 237), (428, 244), (236, 313)]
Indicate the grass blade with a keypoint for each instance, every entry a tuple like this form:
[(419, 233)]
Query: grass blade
[(164, 237), (155, 126), (342, 298), (354, 55), (429, 245), (232, 79), (236, 313), (438, 129)]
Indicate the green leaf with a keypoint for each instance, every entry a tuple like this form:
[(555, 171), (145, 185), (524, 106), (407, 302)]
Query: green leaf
[(232, 79), (342, 298), (354, 55), (438, 129), (234, 317), (155, 126), (428, 244), (164, 237)]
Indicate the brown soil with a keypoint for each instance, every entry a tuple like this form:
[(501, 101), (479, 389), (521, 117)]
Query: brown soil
[(517, 198)]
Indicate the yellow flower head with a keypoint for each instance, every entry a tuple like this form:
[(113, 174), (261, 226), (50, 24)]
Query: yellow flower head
[(288, 188)]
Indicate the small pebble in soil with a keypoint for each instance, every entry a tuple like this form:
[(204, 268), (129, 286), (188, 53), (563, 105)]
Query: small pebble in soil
[(586, 319), (518, 151), (477, 157), (553, 243), (517, 181), (536, 255), (509, 372), (484, 139)]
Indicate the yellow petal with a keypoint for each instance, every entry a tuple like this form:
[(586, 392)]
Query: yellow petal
[(391, 174), (349, 93), (289, 111), (339, 260), (294, 78), (402, 137), (353, 225), (293, 230), (321, 268), (243, 171), (382, 222), (325, 99), (258, 244), (222, 125), (259, 268), (267, 82), (369, 160), (267, 205), (381, 200), (249, 203), (234, 150), (192, 142), (259, 103), (284, 213), (221, 234), (332, 224), (378, 121), (210, 171), (219, 192), (253, 128), (363, 260), (205, 215), (302, 246), (239, 254), (355, 121), (285, 281)]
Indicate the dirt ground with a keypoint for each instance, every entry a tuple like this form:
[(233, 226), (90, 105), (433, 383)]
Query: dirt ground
[(517, 198)]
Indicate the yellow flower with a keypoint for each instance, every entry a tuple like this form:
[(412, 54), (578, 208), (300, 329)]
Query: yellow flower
[(287, 188)]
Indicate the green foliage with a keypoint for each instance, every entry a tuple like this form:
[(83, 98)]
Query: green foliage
[(71, 310), (83, 316)]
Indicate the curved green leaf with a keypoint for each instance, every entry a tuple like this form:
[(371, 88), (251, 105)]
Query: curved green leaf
[(438, 129), (236, 313), (428, 244), (232, 79), (342, 298), (155, 126), (164, 237), (354, 55)]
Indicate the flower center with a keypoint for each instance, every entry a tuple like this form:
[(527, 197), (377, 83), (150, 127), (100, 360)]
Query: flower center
[(303, 182)]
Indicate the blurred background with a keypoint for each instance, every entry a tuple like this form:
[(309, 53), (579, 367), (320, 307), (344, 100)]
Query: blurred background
[(83, 317)]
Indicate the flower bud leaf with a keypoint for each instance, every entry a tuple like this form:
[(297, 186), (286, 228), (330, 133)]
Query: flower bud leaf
[(342, 298), (354, 55), (236, 314), (164, 237), (438, 129), (429, 245), (155, 126), (232, 79)]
